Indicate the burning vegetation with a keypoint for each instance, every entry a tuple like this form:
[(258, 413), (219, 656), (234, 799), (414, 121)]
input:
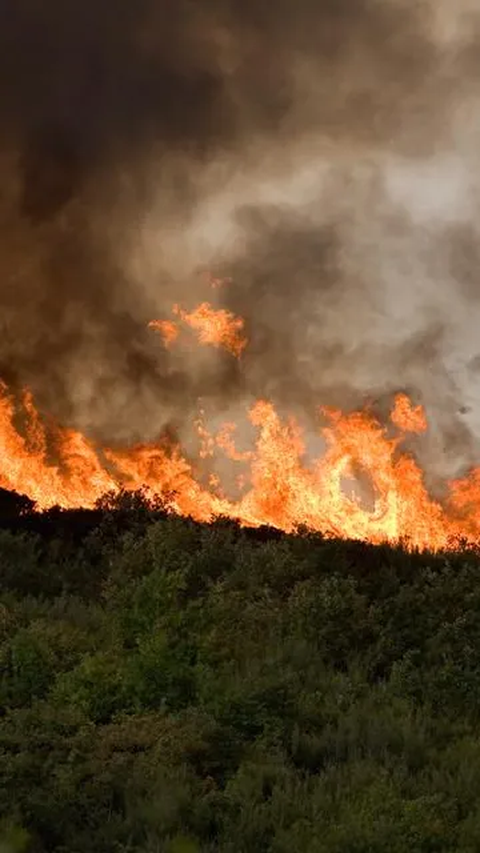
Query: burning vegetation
[(239, 410), (277, 483), (287, 195), (217, 327)]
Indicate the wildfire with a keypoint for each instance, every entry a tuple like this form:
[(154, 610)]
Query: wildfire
[(280, 487), (76, 479), (407, 417), (277, 484), (215, 326), (167, 329)]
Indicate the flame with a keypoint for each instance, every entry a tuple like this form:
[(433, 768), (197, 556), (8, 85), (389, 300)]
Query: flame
[(167, 329), (407, 417), (77, 478), (215, 326), (225, 441), (280, 487)]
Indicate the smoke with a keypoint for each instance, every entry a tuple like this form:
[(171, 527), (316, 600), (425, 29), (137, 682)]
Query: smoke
[(322, 154)]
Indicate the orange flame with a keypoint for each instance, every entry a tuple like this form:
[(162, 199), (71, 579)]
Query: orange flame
[(280, 488), (77, 478), (217, 327), (167, 329), (224, 440), (407, 417)]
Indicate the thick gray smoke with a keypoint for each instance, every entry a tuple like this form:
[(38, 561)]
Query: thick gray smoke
[(323, 154)]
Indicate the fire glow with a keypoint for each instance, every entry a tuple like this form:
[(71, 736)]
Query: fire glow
[(214, 326), (280, 488)]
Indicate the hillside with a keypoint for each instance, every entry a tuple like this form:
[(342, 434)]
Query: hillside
[(175, 687)]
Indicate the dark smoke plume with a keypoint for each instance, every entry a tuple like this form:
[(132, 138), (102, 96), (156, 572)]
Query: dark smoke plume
[(322, 153)]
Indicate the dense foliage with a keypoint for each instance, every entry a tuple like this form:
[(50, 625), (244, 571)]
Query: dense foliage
[(168, 686)]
